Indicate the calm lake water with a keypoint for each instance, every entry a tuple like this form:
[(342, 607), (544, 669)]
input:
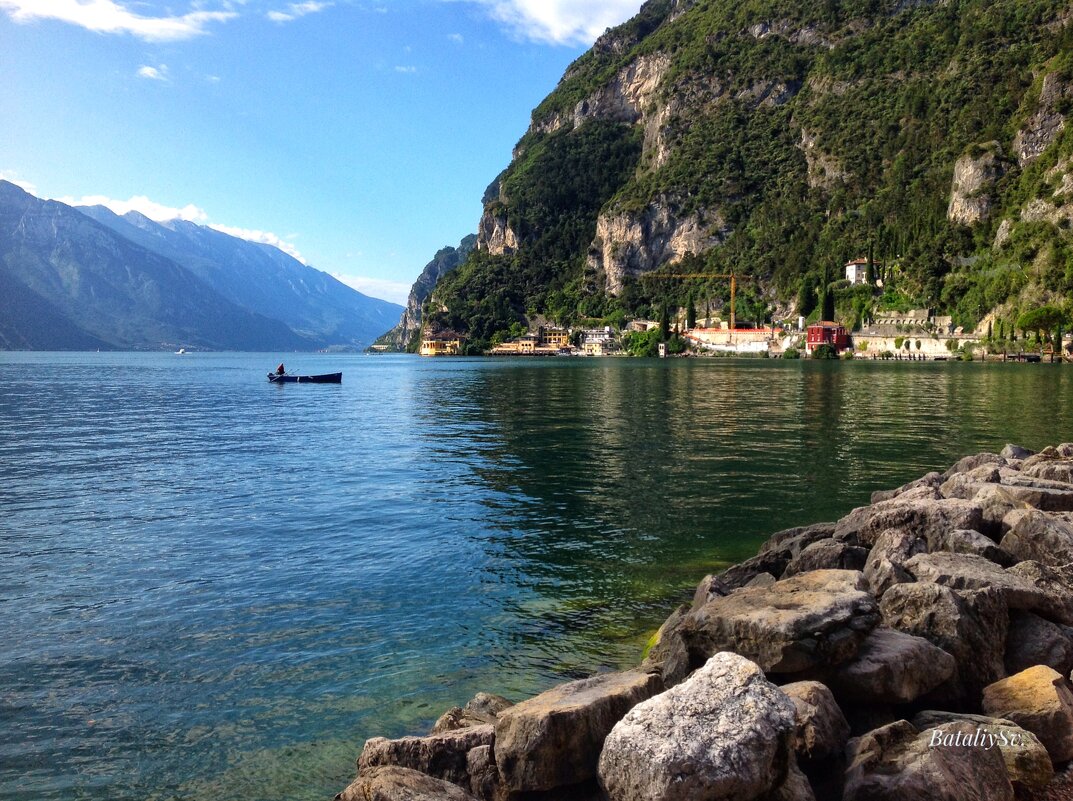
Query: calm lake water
[(215, 588)]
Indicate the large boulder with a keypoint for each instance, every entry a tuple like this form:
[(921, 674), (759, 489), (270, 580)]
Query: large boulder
[(1034, 641), (969, 625), (394, 783), (668, 653), (970, 572), (886, 561), (795, 624), (897, 762), (1027, 762), (724, 733), (969, 463), (1052, 470), (929, 480), (891, 667), (478, 711), (1041, 537), (555, 739), (1040, 700), (820, 729), (443, 756), (967, 541), (1019, 452), (926, 517), (827, 554)]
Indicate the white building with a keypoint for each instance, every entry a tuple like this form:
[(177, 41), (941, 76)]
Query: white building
[(857, 271)]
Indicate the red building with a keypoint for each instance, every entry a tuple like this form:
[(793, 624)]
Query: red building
[(827, 333)]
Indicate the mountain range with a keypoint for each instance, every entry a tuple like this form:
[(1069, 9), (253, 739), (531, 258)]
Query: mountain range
[(84, 277), (777, 141)]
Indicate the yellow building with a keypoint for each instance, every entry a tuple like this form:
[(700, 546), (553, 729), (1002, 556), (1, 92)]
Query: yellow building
[(440, 346), (555, 337)]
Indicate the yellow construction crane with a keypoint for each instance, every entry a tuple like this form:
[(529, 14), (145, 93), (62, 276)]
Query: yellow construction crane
[(733, 285)]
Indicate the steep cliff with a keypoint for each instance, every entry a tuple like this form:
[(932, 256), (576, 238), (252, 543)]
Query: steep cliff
[(777, 141)]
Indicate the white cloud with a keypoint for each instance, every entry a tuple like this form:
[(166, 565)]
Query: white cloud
[(142, 205), (154, 73), (406, 70), (561, 22), (108, 16), (11, 178), (296, 10), (456, 38), (264, 237), (394, 291)]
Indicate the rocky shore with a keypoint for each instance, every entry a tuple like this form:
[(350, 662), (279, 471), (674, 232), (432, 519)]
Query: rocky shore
[(920, 647)]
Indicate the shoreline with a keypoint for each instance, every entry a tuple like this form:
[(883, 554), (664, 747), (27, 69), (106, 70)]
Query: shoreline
[(927, 634)]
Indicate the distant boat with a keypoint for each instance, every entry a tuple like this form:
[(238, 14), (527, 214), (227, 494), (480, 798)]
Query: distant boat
[(326, 378), (180, 352)]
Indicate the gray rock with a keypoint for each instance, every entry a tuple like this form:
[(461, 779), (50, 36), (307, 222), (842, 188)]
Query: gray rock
[(1040, 700), (1046, 538), (555, 739), (886, 561), (393, 783), (820, 728), (1034, 641), (724, 733), (896, 762), (970, 626), (1055, 585), (930, 480), (967, 541), (792, 540), (968, 463), (484, 780), (710, 587), (1027, 762), (925, 517), (891, 667), (669, 654), (1015, 452), (763, 580), (798, 623), (481, 709), (773, 562), (827, 554), (795, 787), (442, 756), (1058, 470), (1021, 588)]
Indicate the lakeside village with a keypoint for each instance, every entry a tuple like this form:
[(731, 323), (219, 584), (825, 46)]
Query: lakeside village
[(913, 335)]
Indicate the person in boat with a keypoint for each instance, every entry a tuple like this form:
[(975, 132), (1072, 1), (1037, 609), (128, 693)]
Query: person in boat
[(280, 370)]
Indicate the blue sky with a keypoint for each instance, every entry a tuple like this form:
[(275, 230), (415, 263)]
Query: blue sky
[(358, 135)]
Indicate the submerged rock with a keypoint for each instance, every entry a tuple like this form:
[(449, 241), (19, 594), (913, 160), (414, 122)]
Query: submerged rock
[(393, 783)]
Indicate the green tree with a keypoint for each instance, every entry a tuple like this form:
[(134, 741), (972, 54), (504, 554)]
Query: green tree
[(691, 313), (664, 324)]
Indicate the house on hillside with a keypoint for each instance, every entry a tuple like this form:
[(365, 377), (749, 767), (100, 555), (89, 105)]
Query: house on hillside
[(827, 333), (444, 343), (857, 271)]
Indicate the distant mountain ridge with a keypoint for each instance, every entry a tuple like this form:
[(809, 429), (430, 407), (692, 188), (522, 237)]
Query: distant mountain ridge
[(86, 277)]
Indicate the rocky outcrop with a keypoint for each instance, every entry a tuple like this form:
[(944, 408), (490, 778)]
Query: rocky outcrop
[(941, 617), (725, 733), (824, 170), (494, 233), (975, 175), (1044, 126), (630, 243)]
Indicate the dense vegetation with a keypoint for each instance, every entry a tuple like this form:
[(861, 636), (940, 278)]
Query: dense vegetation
[(889, 96)]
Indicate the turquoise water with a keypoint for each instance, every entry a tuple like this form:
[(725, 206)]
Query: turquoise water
[(211, 587)]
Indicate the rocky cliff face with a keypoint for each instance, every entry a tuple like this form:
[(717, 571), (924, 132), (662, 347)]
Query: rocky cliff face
[(443, 262), (974, 181), (495, 235), (1048, 121)]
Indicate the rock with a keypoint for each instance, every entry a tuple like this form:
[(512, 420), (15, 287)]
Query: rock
[(555, 739), (1046, 538), (1034, 641), (970, 626), (481, 709), (1055, 586), (1040, 700), (795, 787), (1027, 763), (897, 762), (393, 783), (710, 587), (1015, 452), (798, 623), (925, 517), (1061, 471), (483, 774), (763, 580), (820, 728), (891, 667), (967, 541), (973, 184), (827, 554), (886, 561), (968, 463), (792, 540), (931, 480), (669, 654), (1021, 588), (724, 733), (442, 756), (773, 562)]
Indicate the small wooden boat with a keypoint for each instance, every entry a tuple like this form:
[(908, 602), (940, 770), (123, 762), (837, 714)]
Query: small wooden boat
[(326, 378)]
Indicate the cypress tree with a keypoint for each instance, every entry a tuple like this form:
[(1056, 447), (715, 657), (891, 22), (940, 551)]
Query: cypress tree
[(664, 324), (691, 313)]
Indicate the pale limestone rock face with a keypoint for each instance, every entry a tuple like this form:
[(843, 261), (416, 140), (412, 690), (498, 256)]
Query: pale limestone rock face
[(555, 739), (724, 733), (1040, 700), (495, 235), (974, 178), (1043, 127), (628, 244), (824, 170)]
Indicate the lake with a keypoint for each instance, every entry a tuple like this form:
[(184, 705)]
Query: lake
[(216, 588)]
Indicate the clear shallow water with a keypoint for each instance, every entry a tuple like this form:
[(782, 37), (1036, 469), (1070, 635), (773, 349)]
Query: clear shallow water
[(211, 587)]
